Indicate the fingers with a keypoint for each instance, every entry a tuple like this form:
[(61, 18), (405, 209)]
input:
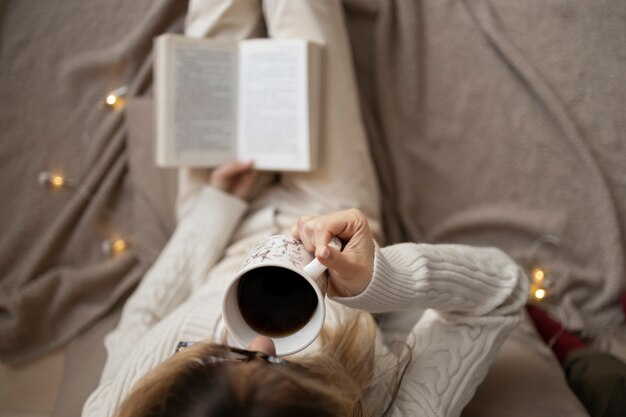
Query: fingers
[(295, 229), (243, 187), (318, 231), (236, 178), (330, 257), (226, 173), (351, 269)]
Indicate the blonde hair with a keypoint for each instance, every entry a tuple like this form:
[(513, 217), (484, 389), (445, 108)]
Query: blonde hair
[(348, 358), (337, 379)]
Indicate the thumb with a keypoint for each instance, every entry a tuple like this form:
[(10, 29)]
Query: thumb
[(341, 271), (336, 261), (350, 270)]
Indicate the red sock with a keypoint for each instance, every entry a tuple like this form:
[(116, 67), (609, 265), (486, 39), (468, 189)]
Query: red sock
[(562, 341)]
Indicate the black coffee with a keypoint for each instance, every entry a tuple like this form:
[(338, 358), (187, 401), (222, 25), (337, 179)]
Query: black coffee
[(275, 301)]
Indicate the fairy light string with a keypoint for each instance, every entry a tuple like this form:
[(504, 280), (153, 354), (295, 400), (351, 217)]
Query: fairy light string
[(55, 180), (541, 280)]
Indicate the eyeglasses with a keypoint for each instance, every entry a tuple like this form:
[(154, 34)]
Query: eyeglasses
[(232, 354)]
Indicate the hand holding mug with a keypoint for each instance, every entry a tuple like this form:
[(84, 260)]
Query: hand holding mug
[(350, 269)]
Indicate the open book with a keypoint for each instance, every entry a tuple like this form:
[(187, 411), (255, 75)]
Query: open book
[(218, 101)]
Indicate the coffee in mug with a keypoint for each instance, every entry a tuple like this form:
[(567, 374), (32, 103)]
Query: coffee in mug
[(275, 301), (279, 293)]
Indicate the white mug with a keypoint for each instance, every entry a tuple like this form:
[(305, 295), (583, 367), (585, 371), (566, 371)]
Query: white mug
[(278, 292)]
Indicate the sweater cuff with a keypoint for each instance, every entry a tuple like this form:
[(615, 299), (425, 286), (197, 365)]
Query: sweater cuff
[(383, 291)]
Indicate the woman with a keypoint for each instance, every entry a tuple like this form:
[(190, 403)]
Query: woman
[(460, 302)]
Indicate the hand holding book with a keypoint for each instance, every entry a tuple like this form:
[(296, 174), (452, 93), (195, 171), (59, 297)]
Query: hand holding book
[(236, 178)]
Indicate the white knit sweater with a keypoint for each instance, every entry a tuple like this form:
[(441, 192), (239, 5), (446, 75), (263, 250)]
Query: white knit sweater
[(463, 300)]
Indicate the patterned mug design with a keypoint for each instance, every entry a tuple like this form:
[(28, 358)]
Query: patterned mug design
[(279, 248)]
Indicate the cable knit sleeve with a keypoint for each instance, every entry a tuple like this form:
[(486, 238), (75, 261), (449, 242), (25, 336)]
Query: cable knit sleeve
[(472, 299), (162, 312)]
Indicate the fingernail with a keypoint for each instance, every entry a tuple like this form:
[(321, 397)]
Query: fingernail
[(324, 252)]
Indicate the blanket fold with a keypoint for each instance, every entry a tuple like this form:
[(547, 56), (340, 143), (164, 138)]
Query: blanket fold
[(56, 71)]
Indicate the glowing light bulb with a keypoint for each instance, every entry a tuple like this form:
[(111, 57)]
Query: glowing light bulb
[(114, 246), (538, 274), (111, 99), (118, 246), (49, 180), (116, 98), (57, 181), (537, 292)]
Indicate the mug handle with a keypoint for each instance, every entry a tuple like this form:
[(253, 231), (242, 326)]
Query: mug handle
[(314, 268)]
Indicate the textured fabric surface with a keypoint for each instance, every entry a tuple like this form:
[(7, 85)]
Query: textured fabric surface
[(524, 380), (499, 122), (57, 62), (153, 188)]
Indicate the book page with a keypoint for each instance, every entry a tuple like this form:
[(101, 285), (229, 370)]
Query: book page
[(273, 109), (202, 95)]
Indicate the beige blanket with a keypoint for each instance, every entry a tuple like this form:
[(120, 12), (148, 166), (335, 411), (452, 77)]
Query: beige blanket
[(491, 123), (57, 62), (500, 122)]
